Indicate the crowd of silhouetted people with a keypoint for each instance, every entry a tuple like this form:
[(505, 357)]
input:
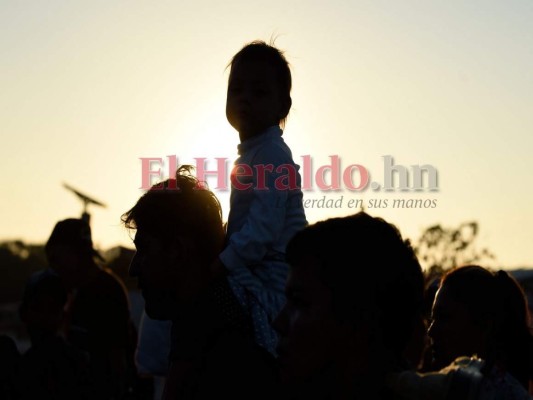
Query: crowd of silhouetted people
[(353, 324), (264, 305)]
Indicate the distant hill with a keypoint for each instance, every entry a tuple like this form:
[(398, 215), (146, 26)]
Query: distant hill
[(525, 277)]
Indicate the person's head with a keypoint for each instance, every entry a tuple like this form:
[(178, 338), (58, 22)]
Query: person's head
[(179, 232), (483, 313), (259, 89), (42, 305), (69, 249), (354, 293)]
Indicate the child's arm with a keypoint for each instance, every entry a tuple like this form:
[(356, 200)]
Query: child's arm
[(268, 218), (248, 249), (263, 208)]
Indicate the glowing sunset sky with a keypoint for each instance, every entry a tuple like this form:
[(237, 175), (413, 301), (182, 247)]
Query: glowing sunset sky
[(88, 88)]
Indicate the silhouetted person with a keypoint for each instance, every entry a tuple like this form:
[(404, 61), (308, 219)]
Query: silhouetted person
[(354, 305), (266, 206), (179, 232), (478, 320), (98, 309), (51, 368), (354, 297), (483, 313)]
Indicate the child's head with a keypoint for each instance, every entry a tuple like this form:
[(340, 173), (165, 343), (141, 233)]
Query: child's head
[(258, 89)]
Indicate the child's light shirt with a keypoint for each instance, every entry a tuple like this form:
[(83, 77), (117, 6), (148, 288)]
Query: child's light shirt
[(266, 210)]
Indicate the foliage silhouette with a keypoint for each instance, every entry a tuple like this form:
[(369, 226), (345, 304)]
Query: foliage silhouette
[(442, 248)]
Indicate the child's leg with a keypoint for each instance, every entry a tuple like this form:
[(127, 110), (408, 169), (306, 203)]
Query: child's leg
[(261, 293)]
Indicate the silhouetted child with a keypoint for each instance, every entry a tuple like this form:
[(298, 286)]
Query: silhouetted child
[(266, 207), (51, 368)]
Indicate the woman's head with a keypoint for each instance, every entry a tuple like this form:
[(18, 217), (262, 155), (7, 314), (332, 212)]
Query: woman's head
[(480, 312)]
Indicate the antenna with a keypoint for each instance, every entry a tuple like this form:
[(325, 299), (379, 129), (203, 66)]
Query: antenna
[(86, 201)]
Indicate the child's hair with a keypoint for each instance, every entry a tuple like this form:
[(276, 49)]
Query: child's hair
[(259, 50)]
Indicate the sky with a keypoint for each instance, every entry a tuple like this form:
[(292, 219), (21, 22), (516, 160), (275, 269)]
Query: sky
[(87, 89)]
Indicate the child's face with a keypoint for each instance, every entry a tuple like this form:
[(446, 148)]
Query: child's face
[(254, 100)]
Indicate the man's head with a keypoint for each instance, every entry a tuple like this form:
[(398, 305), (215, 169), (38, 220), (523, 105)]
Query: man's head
[(70, 250), (355, 286), (179, 232)]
